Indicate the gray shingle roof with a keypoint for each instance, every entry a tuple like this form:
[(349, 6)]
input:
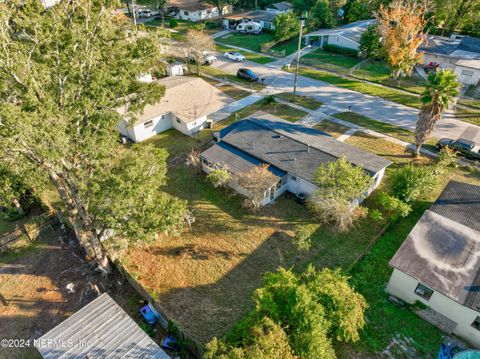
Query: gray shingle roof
[(107, 329), (443, 249), (466, 47), (236, 161), (294, 148), (281, 6)]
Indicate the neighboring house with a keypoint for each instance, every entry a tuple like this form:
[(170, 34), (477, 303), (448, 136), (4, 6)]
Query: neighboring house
[(194, 10), (100, 329), (458, 53), (293, 152), (264, 18), (347, 36), (185, 106), (280, 7), (175, 69), (439, 262)]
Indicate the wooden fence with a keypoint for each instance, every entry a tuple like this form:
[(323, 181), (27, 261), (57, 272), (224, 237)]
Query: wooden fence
[(29, 230)]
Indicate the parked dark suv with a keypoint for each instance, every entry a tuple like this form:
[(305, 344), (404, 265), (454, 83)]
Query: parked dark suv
[(463, 146), (247, 74)]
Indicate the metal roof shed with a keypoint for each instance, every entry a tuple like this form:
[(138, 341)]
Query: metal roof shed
[(101, 329)]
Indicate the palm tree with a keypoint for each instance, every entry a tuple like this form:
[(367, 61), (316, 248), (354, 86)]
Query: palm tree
[(439, 92)]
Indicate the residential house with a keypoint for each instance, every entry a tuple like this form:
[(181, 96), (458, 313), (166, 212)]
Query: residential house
[(458, 53), (347, 36), (262, 17), (185, 106), (195, 10), (99, 329), (439, 262), (292, 151), (280, 7)]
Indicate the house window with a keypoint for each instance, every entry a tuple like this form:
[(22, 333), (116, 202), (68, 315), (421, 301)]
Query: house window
[(467, 73), (476, 323), (186, 13), (423, 291), (148, 124), (178, 121)]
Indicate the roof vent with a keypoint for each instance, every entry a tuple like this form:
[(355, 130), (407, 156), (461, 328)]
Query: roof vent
[(277, 136)]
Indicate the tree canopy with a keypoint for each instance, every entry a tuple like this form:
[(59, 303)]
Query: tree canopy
[(64, 72), (309, 309)]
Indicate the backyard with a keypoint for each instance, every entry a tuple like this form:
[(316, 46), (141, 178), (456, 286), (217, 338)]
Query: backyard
[(205, 277)]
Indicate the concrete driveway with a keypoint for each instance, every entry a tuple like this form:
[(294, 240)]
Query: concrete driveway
[(343, 99)]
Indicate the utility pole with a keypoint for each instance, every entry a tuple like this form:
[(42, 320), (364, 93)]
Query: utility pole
[(134, 14), (302, 24)]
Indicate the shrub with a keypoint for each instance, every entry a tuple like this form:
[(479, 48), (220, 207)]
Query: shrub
[(219, 177), (341, 186), (269, 99), (211, 25), (303, 236), (340, 50), (394, 207), (411, 183), (173, 23)]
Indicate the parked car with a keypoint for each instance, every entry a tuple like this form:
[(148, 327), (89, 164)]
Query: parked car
[(235, 56), (465, 147), (247, 74), (251, 27), (209, 59), (145, 13)]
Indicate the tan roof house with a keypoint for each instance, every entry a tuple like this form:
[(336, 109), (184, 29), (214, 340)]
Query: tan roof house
[(185, 106)]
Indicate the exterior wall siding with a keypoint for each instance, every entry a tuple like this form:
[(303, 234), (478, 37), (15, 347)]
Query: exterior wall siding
[(446, 62), (297, 185), (341, 41), (403, 286)]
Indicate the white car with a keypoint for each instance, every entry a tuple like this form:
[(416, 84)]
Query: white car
[(235, 56), (209, 59), (145, 13)]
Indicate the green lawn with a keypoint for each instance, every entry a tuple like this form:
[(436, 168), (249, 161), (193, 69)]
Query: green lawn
[(470, 115), (378, 71), (332, 128), (305, 101), (205, 277), (475, 103), (255, 57), (370, 89), (254, 42), (5, 225), (370, 275), (330, 61), (229, 77), (384, 128), (179, 32)]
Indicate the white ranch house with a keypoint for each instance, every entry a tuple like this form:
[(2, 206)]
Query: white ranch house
[(292, 151), (458, 53), (347, 36), (439, 263), (194, 10), (185, 106)]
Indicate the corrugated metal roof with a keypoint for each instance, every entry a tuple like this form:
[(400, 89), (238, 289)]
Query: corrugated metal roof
[(443, 249), (101, 329)]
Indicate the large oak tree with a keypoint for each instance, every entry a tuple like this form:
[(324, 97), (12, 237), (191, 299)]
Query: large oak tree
[(64, 71)]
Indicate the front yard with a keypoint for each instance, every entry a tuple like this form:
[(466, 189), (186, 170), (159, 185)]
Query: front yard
[(363, 87), (252, 56), (254, 42)]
